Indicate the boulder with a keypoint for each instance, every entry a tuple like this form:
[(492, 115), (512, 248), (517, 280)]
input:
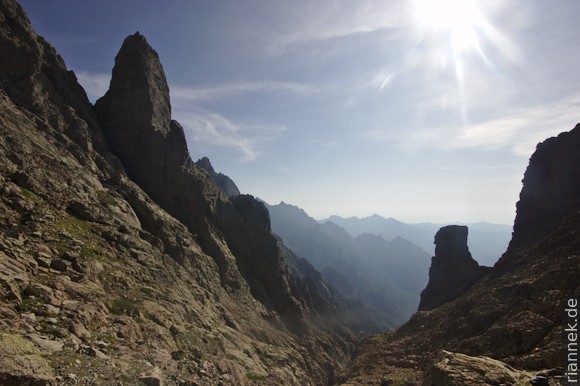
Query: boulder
[(22, 363), (455, 369)]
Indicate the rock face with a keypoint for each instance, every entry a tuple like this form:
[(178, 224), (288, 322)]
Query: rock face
[(513, 314), (551, 188), (136, 116), (121, 259), (453, 271), (224, 182)]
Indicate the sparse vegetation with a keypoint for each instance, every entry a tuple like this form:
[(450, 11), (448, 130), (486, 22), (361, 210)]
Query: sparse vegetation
[(29, 194), (255, 377), (124, 307), (107, 199)]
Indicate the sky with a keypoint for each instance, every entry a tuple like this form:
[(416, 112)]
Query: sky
[(421, 110)]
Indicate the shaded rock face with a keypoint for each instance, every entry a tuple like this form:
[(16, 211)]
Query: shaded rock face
[(551, 188), (453, 271), (136, 115), (224, 182)]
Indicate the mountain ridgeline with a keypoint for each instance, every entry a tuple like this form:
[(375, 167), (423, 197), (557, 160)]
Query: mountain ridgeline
[(386, 276), (487, 242), (123, 261)]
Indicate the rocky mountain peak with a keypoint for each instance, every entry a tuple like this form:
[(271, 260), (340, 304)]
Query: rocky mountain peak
[(135, 114), (451, 242), (551, 188), (453, 271), (514, 313), (227, 185), (138, 73), (136, 111)]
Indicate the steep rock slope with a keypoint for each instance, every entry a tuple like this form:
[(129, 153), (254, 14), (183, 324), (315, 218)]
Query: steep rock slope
[(113, 271), (514, 314)]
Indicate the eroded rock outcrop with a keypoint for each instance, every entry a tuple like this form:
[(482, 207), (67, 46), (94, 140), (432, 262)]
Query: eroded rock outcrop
[(453, 271), (551, 188)]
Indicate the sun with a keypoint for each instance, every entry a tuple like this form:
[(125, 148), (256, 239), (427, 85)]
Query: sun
[(461, 20), (453, 30), (446, 14)]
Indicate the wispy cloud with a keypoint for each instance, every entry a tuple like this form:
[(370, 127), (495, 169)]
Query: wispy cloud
[(212, 129), (519, 130), (304, 22), (182, 94), (522, 129), (323, 143), (95, 84)]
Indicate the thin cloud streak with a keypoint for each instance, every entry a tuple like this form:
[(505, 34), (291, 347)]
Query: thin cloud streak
[(314, 22), (519, 130), (182, 94), (212, 129), (522, 129)]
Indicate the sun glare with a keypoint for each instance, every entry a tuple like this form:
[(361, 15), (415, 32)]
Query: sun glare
[(454, 30), (446, 14), (460, 19)]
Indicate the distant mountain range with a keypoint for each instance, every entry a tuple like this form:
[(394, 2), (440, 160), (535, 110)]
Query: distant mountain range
[(487, 242), (387, 276)]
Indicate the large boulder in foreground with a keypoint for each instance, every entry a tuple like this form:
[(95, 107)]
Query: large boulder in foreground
[(455, 369)]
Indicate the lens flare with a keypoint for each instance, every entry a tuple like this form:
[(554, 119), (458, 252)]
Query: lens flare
[(454, 27)]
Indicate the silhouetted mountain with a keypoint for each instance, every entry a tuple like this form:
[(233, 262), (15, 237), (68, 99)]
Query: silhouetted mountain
[(551, 190), (453, 271), (487, 242), (386, 275), (509, 324)]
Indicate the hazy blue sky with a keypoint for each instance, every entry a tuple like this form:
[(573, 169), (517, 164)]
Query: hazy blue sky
[(420, 110)]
